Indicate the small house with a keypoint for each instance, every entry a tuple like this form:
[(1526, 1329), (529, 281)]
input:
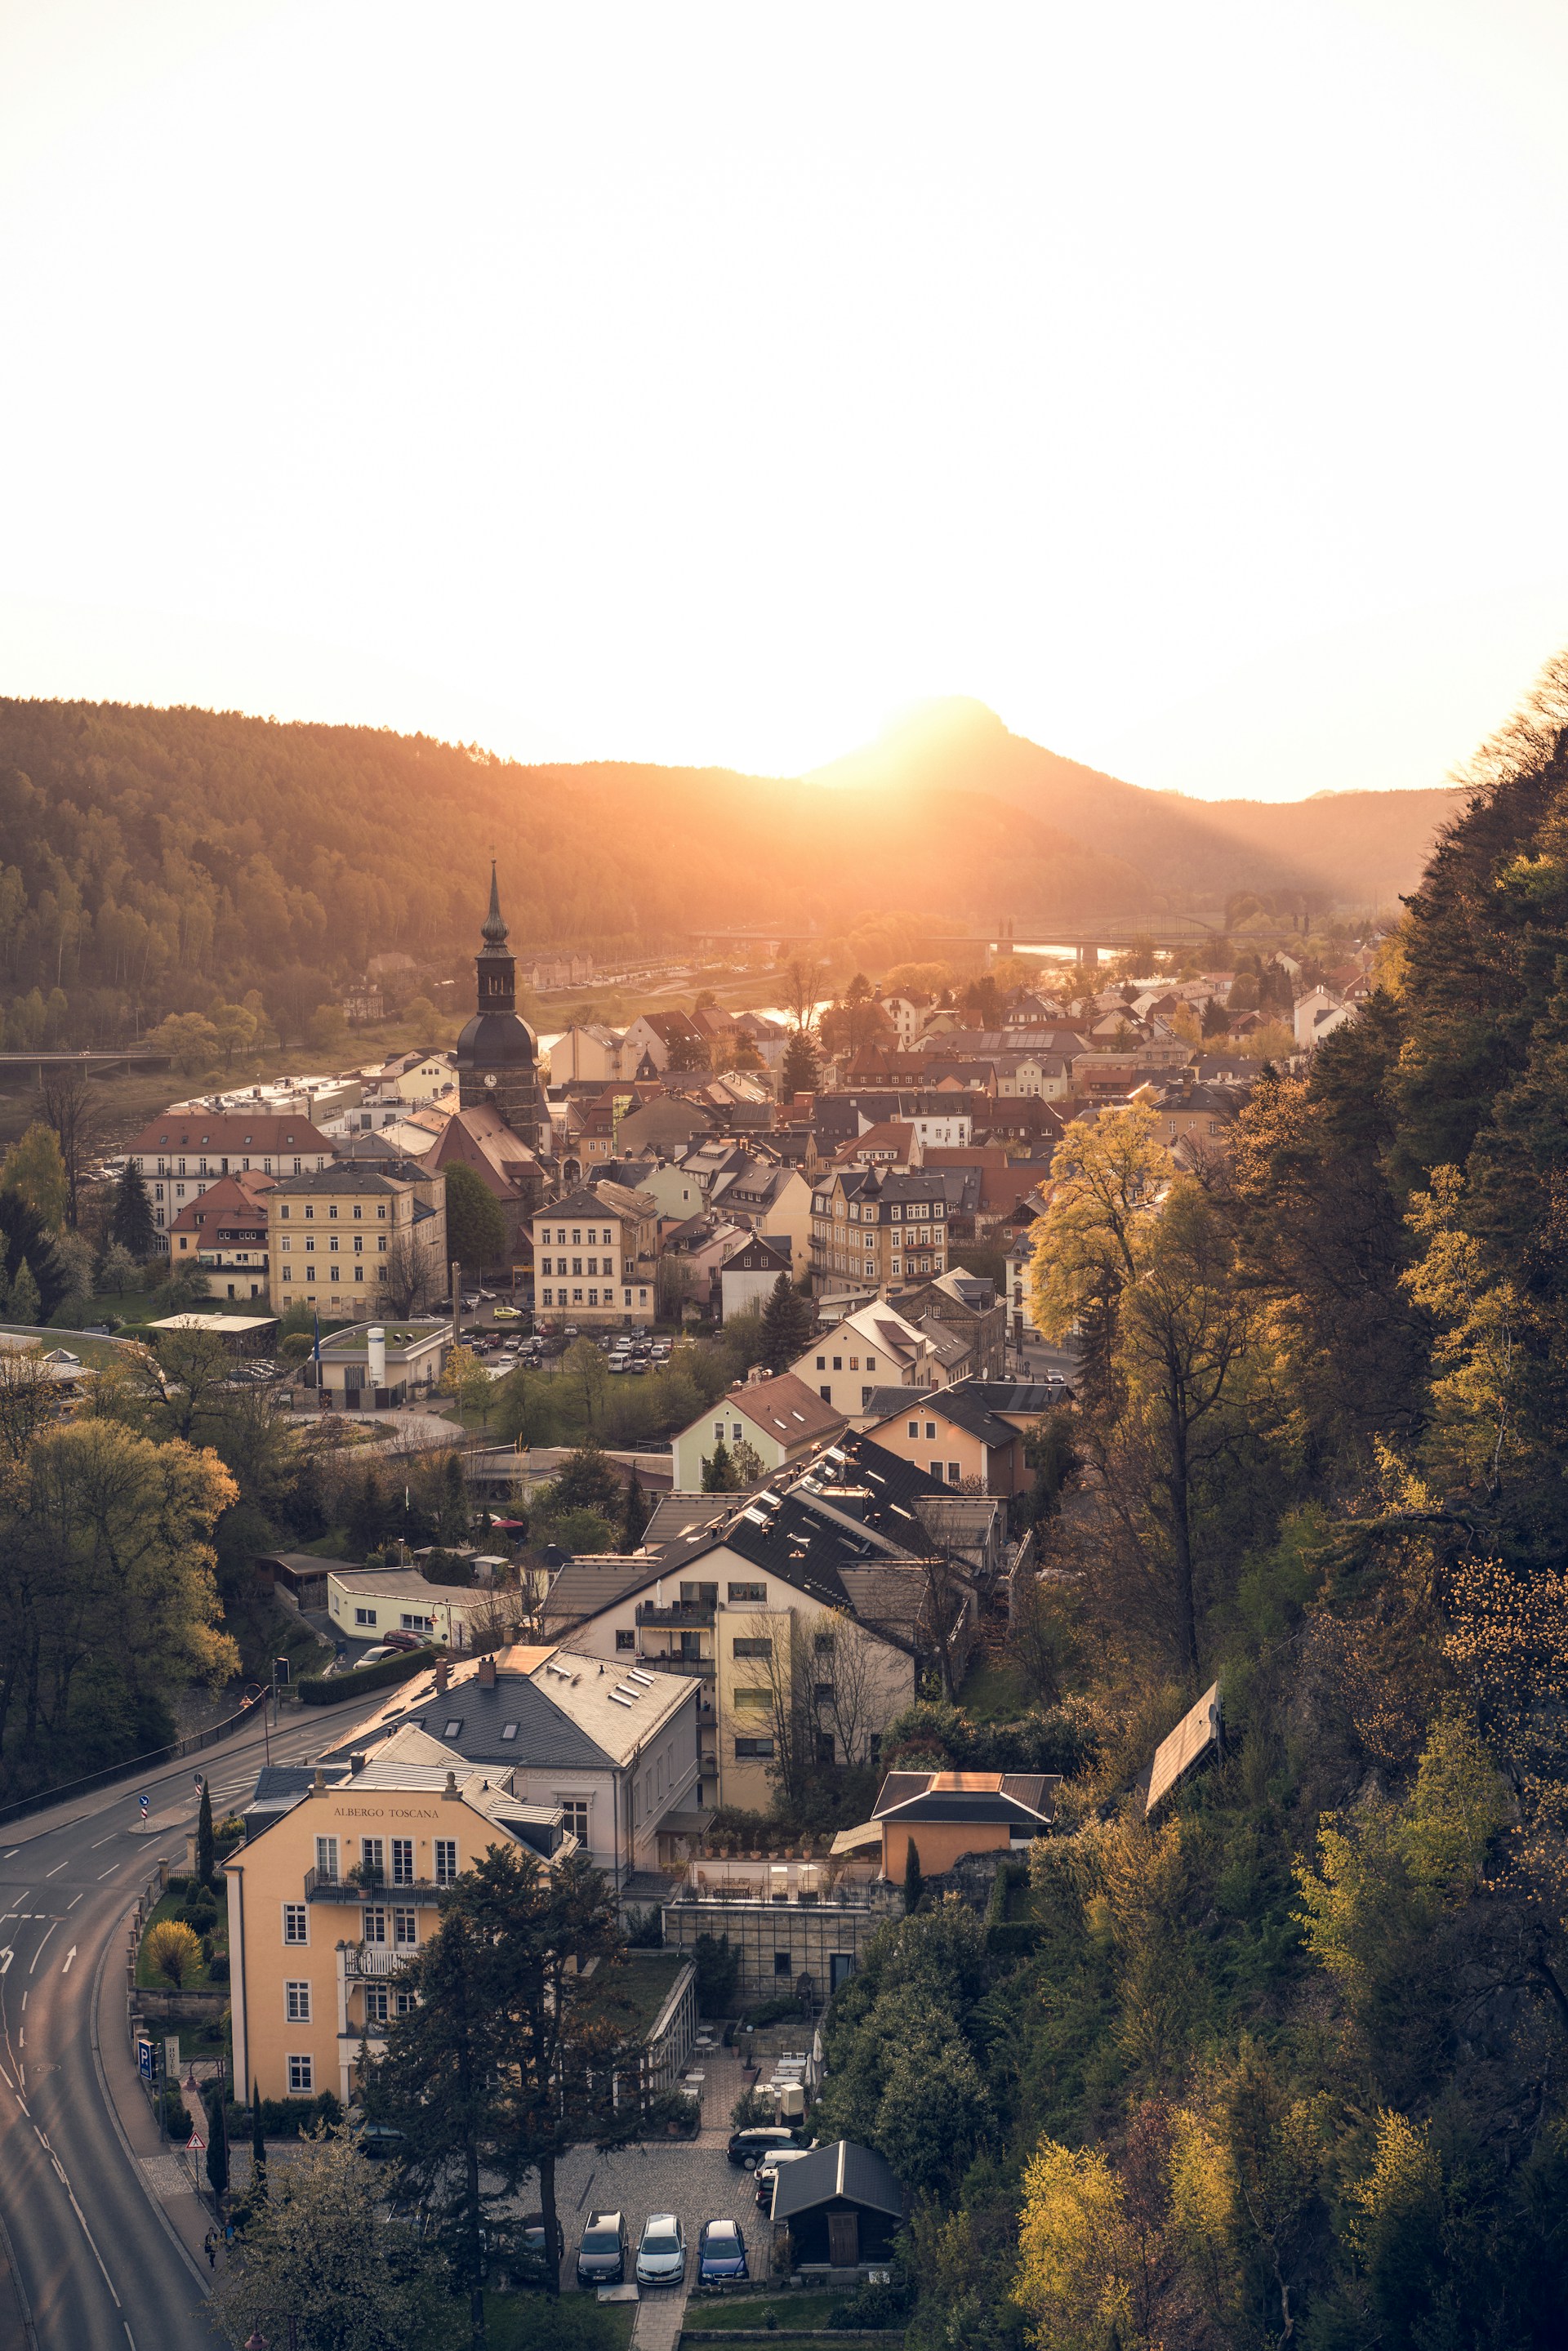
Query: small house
[(841, 2205)]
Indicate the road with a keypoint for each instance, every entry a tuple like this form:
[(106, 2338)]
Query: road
[(95, 2259)]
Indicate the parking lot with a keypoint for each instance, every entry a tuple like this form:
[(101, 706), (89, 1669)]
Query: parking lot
[(698, 2182)]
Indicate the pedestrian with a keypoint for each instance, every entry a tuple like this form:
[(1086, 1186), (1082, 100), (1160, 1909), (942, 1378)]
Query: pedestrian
[(210, 2247)]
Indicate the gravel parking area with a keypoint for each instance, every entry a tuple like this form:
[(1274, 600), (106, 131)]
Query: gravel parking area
[(698, 2182)]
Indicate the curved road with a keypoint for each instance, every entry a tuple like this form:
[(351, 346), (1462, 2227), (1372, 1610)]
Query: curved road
[(95, 2259)]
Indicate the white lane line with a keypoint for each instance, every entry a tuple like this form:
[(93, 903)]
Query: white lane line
[(38, 1954), (128, 2337), (9, 2083), (110, 1873), (58, 1866), (23, 2003), (72, 1903), (108, 1840), (16, 1849)]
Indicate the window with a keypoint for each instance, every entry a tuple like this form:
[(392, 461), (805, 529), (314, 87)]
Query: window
[(854, 1363), (302, 2077), (930, 1430), (915, 1428), (781, 1963), (954, 1472), (755, 1700), (375, 1926), (375, 2004), (936, 1469), (402, 1861), (327, 1859), (297, 2003), (866, 1395), (574, 1816), (753, 1646), (626, 1640), (412, 1621), (754, 1750), (837, 1362), (821, 1363), (372, 1858), (748, 1592), (446, 1861), (508, 1730), (406, 2004), (452, 1728), (296, 1923), (824, 1746), (826, 1393), (405, 1927)]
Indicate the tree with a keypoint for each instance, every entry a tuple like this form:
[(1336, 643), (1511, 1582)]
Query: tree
[(217, 2104), (130, 1221), (190, 1041), (798, 1072), (235, 1026), (1104, 1179), (584, 1382), (183, 1377), (175, 1951), (409, 1276), (913, 1880), (635, 1524), (454, 1513), (586, 1480), (718, 1471), (207, 1855), (476, 1229), (24, 1305), (787, 1322), (71, 1106), (803, 981), (34, 1168), (463, 1376), (257, 2150), (526, 1412), (689, 1053), (321, 2260)]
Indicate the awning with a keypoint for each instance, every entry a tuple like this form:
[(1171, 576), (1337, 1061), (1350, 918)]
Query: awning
[(858, 1840)]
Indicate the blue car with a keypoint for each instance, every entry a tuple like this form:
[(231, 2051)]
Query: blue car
[(721, 2252)]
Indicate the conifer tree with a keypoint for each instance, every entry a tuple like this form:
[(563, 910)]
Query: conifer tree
[(635, 1524), (131, 1219), (787, 1322), (207, 1853), (23, 1306)]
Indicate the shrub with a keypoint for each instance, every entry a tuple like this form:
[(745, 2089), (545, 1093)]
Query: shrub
[(772, 2011), (872, 2306), (218, 1972), (176, 2117), (321, 1690), (173, 1951)]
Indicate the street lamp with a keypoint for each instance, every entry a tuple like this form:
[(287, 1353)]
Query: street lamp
[(256, 2341)]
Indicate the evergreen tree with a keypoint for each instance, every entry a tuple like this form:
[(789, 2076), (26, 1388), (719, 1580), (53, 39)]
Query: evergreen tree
[(452, 1513), (367, 1513), (913, 1880), (787, 1322), (24, 1305), (799, 1073), (217, 2142), (130, 1217), (719, 1471), (635, 1523), (258, 2146), (207, 1855)]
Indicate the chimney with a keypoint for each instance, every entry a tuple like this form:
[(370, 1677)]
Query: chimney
[(357, 1759), (487, 1672), (443, 1675)]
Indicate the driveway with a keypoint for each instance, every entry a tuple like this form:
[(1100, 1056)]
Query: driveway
[(698, 2182)]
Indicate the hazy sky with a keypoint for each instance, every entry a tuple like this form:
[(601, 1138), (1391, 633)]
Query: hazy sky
[(707, 382)]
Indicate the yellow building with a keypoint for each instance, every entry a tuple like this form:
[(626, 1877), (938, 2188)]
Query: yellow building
[(595, 1255), (360, 1236), (334, 1891)]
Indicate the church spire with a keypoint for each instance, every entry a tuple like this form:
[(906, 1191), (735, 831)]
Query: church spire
[(495, 931)]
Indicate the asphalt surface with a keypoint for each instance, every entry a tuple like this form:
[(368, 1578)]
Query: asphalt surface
[(97, 2261)]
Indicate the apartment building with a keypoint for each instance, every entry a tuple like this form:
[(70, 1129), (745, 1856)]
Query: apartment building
[(223, 1232), (181, 1153), (595, 1252), (337, 1886), (874, 1347), (876, 1228), (358, 1236)]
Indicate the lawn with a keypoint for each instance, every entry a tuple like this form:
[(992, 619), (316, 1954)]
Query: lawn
[(993, 1693), (147, 1976), (797, 2313), (577, 2322)]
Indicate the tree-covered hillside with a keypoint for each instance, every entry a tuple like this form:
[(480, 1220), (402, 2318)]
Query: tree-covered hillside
[(159, 861), (1286, 2063)]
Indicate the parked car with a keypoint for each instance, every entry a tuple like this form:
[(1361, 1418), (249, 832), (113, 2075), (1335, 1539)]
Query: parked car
[(662, 2253), (768, 2171), (721, 2252), (373, 1657), (530, 2268), (602, 2255), (471, 1299), (406, 1640), (748, 2148), (379, 2141), (620, 1363)]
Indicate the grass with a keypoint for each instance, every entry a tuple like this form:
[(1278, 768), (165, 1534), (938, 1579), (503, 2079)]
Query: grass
[(993, 1693), (577, 2322), (799, 2314), (147, 1977)]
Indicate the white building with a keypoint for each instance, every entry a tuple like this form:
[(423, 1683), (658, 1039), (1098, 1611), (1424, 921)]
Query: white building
[(873, 1348)]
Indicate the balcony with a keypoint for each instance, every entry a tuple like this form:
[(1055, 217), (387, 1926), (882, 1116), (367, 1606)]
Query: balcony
[(320, 1888), (680, 1614), (365, 1962), (700, 1668)]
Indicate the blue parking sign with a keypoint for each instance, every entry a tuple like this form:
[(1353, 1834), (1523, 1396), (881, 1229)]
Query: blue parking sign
[(144, 2060)]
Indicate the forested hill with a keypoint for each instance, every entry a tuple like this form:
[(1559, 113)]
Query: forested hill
[(1286, 2063), (149, 859)]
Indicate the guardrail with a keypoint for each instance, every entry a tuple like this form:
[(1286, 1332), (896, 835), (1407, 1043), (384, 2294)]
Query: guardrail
[(136, 1766)]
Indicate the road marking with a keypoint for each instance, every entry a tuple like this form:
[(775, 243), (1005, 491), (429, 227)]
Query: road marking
[(6, 1956), (21, 2036), (108, 1840), (128, 2337), (38, 1954), (70, 1957), (16, 1849), (109, 1873), (72, 1903), (58, 1866)]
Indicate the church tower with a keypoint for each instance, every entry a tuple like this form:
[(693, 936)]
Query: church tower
[(497, 1054)]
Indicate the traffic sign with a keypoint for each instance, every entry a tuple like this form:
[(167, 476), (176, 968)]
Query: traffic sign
[(143, 1801), (195, 2142), (172, 2055), (146, 2060)]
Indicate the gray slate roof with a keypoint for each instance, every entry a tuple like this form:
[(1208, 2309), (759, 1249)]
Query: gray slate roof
[(858, 2174)]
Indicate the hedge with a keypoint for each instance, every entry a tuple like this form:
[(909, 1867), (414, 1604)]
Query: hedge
[(323, 1690)]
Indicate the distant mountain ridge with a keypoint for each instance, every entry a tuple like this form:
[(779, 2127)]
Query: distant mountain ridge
[(1356, 848)]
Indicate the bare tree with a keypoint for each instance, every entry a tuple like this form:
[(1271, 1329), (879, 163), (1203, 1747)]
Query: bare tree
[(29, 1396), (802, 986), (777, 1655), (71, 1104), (844, 1661), (407, 1285)]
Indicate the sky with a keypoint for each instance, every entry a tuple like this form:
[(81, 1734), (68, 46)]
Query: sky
[(708, 384)]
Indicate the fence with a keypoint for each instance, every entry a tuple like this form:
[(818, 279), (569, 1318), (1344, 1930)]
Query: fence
[(136, 1766)]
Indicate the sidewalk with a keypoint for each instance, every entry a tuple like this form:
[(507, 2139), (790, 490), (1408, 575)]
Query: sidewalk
[(165, 2171)]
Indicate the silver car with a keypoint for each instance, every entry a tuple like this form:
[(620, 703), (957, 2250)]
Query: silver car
[(662, 2253)]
